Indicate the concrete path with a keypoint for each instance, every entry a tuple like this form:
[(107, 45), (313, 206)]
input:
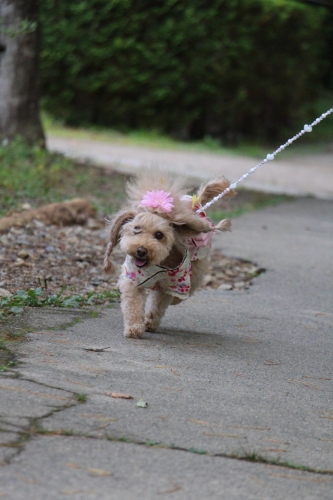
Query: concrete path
[(236, 383), (302, 175)]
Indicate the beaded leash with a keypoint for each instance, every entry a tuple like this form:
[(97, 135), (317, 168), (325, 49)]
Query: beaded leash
[(306, 128)]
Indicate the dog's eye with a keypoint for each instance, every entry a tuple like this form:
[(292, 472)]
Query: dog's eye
[(137, 230), (159, 235)]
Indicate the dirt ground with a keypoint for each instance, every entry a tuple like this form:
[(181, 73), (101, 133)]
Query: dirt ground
[(55, 256), (72, 256)]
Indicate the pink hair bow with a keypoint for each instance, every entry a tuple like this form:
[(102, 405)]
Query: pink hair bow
[(158, 200)]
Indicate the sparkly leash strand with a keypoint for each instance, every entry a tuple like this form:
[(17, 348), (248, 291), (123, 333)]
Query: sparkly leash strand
[(306, 128)]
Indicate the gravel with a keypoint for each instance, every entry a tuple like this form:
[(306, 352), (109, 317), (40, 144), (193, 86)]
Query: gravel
[(51, 257)]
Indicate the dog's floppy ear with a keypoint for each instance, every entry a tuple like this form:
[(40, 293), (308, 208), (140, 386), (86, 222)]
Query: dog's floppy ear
[(208, 191), (192, 225), (117, 223), (115, 227)]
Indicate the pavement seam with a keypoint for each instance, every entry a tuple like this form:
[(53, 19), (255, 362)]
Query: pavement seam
[(248, 457), (34, 428)]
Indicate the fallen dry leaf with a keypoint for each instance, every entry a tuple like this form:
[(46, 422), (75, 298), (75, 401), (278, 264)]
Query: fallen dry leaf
[(99, 472), (107, 419), (202, 422), (95, 349), (225, 435), (257, 481), (75, 492), (175, 488), (142, 403), (44, 352), (92, 471), (317, 378), (311, 386), (277, 441), (118, 395), (101, 427), (249, 427), (28, 480), (240, 375), (273, 450)]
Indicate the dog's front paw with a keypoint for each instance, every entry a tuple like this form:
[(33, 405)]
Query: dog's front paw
[(134, 331), (151, 324)]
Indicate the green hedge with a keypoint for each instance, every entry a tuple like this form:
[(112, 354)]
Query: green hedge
[(231, 69)]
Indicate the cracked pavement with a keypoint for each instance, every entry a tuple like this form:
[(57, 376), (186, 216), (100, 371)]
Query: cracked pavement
[(238, 384)]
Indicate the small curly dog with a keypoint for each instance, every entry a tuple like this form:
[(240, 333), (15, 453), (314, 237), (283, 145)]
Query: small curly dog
[(166, 242)]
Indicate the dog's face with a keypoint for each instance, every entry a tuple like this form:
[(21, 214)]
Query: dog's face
[(147, 238)]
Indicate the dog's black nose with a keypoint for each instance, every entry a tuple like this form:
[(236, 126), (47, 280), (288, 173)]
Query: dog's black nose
[(141, 252)]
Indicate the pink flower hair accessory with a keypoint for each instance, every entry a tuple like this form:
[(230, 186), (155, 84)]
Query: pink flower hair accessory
[(160, 201)]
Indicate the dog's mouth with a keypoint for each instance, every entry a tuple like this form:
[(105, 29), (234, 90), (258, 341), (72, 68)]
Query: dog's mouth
[(140, 262)]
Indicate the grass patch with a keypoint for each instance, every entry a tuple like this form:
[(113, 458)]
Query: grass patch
[(43, 177), (81, 398), (7, 367), (38, 175), (319, 141), (153, 444), (252, 456), (145, 138), (14, 304), (198, 452)]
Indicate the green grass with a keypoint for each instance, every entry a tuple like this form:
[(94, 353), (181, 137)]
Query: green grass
[(15, 304), (81, 398), (252, 456), (8, 367), (148, 138), (319, 141), (198, 452), (28, 174), (42, 177)]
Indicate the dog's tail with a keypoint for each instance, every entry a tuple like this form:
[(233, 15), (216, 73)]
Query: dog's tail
[(223, 225), (109, 266)]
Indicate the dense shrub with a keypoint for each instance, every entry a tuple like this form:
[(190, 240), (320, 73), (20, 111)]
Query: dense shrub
[(227, 68)]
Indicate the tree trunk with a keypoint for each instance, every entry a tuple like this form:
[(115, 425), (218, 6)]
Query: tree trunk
[(19, 78)]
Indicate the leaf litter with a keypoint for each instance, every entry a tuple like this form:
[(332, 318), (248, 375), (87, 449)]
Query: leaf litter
[(53, 257)]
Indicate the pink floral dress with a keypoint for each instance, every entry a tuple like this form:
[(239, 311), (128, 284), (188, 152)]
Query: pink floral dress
[(176, 281)]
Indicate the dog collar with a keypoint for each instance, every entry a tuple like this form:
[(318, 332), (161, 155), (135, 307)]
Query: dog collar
[(176, 281)]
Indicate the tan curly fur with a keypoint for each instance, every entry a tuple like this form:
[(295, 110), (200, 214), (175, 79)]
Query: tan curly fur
[(151, 237)]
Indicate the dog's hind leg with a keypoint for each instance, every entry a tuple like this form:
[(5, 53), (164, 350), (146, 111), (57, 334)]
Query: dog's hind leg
[(157, 304), (133, 308)]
